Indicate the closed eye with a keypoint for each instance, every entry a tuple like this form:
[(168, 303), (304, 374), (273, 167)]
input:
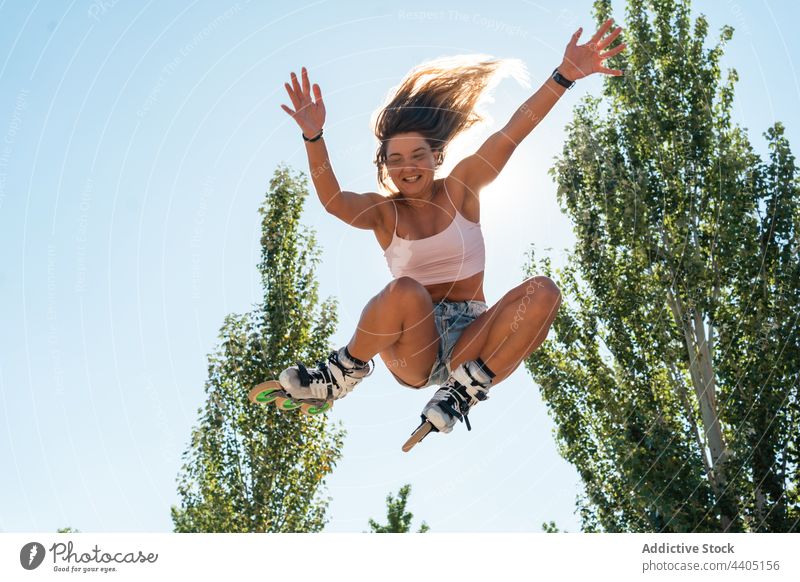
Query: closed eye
[(414, 155)]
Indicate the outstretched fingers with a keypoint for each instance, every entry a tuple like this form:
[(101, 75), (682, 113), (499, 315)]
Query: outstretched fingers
[(607, 71), (309, 111), (296, 86), (306, 84), (614, 51), (576, 35), (601, 31), (293, 96), (601, 44), (318, 96)]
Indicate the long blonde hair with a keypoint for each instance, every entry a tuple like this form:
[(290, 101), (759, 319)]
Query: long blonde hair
[(438, 99)]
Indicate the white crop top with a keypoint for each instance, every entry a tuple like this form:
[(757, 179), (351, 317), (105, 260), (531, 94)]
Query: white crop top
[(453, 254)]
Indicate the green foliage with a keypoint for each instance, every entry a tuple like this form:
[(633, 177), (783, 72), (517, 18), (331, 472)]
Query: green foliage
[(251, 468), (673, 373), (67, 530), (399, 520), (551, 527)]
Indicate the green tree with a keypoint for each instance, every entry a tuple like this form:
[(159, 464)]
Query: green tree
[(398, 519), (674, 371), (551, 527), (251, 468)]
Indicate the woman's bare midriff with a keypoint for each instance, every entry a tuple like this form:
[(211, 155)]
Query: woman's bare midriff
[(467, 289)]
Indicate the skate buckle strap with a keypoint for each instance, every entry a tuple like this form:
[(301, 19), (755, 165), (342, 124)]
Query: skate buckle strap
[(478, 390), (334, 359), (457, 414), (370, 365), (306, 378), (461, 408), (326, 375), (323, 376)]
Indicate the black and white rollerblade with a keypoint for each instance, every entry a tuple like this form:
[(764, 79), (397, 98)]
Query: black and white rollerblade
[(467, 385), (314, 390)]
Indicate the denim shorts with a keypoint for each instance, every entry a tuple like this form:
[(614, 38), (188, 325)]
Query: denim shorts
[(451, 318)]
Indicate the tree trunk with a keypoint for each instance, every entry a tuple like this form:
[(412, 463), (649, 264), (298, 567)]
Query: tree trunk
[(705, 391)]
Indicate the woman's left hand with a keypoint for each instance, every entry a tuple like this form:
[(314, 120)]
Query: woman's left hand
[(583, 60)]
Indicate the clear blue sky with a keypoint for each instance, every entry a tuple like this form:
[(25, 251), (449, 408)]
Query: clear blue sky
[(136, 143)]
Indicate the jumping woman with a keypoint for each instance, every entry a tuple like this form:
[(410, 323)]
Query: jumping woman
[(433, 315)]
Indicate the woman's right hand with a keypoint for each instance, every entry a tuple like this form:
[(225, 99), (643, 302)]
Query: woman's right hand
[(309, 115)]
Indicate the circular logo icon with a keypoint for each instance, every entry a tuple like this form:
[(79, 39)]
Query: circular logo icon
[(31, 555)]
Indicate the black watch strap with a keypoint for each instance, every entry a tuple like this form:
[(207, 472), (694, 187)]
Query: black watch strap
[(319, 135), (561, 80)]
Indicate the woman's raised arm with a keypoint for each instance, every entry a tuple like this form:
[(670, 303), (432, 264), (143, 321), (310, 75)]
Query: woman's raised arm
[(359, 210), (479, 169)]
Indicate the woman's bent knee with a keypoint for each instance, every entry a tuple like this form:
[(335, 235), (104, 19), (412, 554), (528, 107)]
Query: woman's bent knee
[(406, 288), (540, 285)]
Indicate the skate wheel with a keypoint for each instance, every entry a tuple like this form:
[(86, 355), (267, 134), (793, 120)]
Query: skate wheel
[(420, 433), (283, 403), (312, 409), (265, 392)]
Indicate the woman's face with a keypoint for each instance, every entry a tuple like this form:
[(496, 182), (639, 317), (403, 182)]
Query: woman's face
[(411, 164)]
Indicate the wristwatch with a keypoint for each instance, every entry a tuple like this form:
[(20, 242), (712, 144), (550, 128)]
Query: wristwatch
[(561, 80)]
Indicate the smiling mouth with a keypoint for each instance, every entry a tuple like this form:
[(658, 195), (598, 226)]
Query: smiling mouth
[(411, 179)]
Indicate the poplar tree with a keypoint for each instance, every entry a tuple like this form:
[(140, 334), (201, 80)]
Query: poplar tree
[(251, 468), (674, 367), (398, 520)]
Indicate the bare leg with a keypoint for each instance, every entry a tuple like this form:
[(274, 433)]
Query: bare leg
[(398, 324), (511, 329)]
